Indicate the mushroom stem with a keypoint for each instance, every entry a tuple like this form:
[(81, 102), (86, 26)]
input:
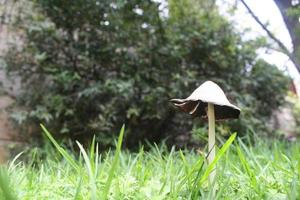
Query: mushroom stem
[(211, 139)]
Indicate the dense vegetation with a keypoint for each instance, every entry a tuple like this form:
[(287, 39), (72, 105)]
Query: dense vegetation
[(264, 170), (88, 66)]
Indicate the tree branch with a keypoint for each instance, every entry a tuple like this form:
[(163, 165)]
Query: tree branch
[(291, 21), (272, 36)]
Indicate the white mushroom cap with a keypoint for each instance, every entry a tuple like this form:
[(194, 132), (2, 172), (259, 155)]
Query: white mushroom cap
[(208, 92)]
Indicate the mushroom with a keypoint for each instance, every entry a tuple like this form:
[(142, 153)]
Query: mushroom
[(208, 101)]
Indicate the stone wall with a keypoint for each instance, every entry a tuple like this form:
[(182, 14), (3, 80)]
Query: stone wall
[(8, 134), (8, 89)]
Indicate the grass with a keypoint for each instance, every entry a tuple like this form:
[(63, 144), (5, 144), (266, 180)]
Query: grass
[(266, 170)]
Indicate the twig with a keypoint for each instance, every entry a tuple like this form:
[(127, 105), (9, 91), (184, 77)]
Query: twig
[(272, 36)]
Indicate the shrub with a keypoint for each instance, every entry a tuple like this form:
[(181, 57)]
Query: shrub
[(88, 66)]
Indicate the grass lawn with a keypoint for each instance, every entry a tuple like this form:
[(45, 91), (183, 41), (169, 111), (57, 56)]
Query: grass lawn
[(266, 170)]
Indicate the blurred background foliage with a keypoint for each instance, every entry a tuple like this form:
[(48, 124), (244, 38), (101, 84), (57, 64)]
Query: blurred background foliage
[(88, 66)]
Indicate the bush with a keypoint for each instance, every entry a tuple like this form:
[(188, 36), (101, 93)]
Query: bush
[(89, 66)]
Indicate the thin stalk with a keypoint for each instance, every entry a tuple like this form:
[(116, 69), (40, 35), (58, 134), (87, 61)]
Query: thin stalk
[(211, 139)]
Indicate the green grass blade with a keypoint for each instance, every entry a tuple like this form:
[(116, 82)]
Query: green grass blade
[(217, 158), (12, 164), (63, 152), (247, 168), (78, 189), (186, 167), (5, 186), (114, 164), (96, 170), (90, 171), (92, 153)]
